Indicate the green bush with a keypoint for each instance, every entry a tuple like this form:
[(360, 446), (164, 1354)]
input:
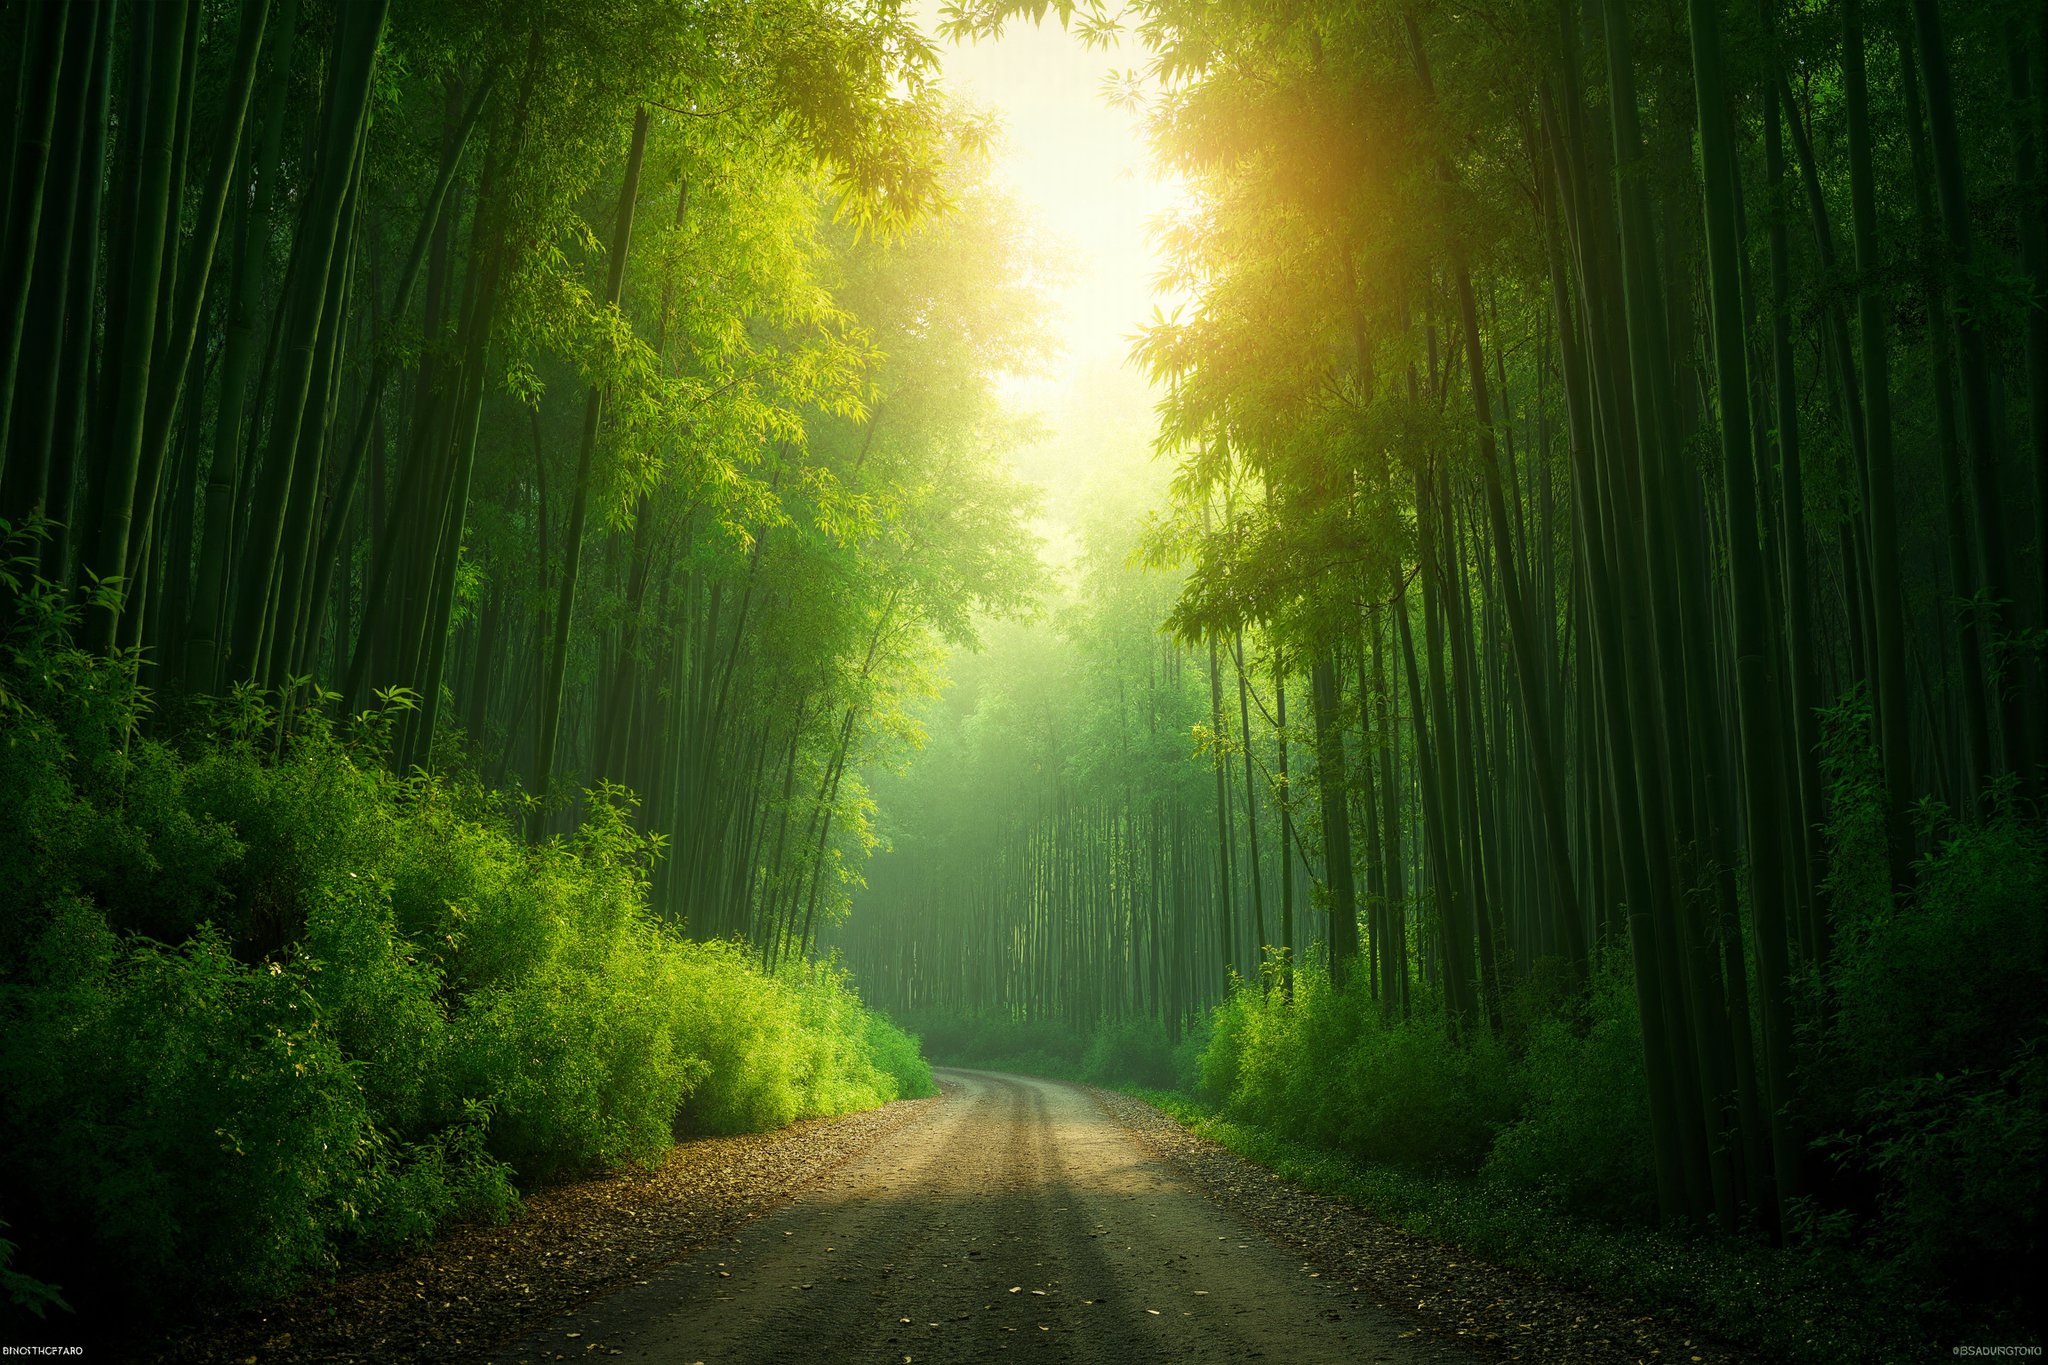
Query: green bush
[(1567, 1119), (799, 1045), (1032, 1047), (1928, 1078), (26, 1295), (1187, 1057), (1124, 1052), (187, 1108), (899, 1055), (1221, 1059), (1328, 1070), (263, 1002), (1131, 1052), (1583, 1142)]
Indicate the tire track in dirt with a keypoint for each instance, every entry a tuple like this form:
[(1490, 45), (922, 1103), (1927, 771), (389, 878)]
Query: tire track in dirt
[(1017, 1217)]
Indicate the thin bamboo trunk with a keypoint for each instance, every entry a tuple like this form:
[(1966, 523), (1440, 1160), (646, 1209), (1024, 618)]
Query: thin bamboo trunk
[(161, 34), (1893, 704), (593, 409)]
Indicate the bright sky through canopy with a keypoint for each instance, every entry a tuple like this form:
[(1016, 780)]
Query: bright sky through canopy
[(1081, 168)]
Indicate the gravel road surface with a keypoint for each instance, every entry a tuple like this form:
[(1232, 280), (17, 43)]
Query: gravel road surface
[(1013, 1217), (1018, 1217)]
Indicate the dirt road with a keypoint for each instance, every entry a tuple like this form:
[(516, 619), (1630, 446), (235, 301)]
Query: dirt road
[(1017, 1217)]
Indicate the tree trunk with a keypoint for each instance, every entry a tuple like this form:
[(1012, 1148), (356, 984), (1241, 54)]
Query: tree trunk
[(593, 409)]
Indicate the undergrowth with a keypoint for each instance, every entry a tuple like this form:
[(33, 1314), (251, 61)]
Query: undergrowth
[(1125, 1052), (1920, 1095), (1921, 1082), (265, 1005)]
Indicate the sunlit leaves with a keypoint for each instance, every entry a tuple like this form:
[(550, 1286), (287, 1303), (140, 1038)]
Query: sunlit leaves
[(968, 19)]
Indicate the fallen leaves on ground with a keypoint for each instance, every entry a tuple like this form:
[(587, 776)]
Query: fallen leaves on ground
[(481, 1286)]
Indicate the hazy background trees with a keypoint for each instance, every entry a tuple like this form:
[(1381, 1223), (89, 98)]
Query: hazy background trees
[(1616, 430)]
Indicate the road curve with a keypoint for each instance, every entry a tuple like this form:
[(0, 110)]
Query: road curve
[(1018, 1218)]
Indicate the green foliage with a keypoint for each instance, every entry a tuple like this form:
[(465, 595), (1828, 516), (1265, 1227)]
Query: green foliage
[(1330, 1071), (259, 1013), (1922, 1053), (24, 1292), (999, 1043), (1222, 1060), (1857, 863), (1926, 1057), (899, 1055), (1131, 1052), (185, 1107), (1583, 1142), (1565, 1121), (1124, 1053), (1188, 1054), (793, 1046)]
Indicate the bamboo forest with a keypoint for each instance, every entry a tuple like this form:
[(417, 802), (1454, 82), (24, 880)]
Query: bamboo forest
[(1328, 679)]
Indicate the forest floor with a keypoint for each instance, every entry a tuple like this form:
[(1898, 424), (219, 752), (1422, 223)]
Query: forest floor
[(481, 1285), (1013, 1213)]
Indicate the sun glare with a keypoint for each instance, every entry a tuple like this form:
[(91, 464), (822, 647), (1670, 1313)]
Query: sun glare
[(1083, 171), (1080, 168)]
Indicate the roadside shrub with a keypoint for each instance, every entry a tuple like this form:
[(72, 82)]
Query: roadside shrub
[(899, 1055), (835, 1069), (1927, 1063), (1959, 1162), (1222, 1055), (26, 1295), (1134, 1052), (1130, 1052), (1329, 1070), (742, 1027), (411, 1190), (263, 1003), (377, 1000), (1583, 1142), (998, 1043), (1187, 1057), (186, 1106)]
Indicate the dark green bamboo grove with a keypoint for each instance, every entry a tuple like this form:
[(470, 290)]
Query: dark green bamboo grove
[(1594, 548), (1614, 424), (555, 382)]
